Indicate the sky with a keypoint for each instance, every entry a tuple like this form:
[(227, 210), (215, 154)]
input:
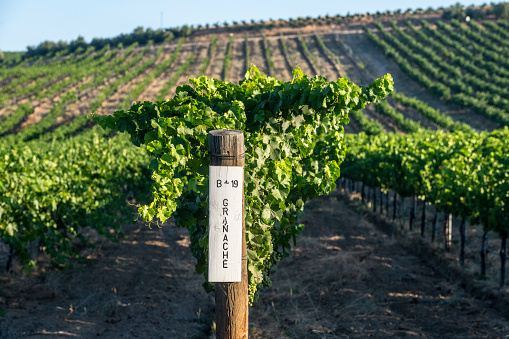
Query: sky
[(29, 22)]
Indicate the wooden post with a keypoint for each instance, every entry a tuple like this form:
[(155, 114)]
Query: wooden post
[(484, 251), (394, 206), (503, 255), (387, 202), (413, 212), (374, 199), (226, 148), (423, 218), (448, 230), (435, 226), (463, 238), (402, 208)]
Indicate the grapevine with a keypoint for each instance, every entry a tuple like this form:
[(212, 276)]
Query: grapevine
[(294, 146)]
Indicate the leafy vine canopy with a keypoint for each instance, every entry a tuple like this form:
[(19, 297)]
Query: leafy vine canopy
[(294, 146)]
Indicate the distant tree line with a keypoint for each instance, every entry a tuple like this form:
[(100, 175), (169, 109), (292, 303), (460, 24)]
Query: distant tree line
[(140, 35), (457, 11)]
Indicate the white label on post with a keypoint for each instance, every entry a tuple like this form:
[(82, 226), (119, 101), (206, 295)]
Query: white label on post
[(225, 223)]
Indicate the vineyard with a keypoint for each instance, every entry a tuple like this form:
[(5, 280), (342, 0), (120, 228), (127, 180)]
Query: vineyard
[(413, 196)]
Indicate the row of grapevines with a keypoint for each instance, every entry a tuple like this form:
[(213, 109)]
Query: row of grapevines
[(268, 56), (103, 73), (28, 69), (77, 72), (466, 174), (52, 197), (82, 121), (288, 56), (19, 115), (430, 113), (463, 174), (496, 29), (493, 88), (34, 131), (444, 72), (435, 87), (158, 70), (445, 38), (405, 124), (55, 73), (501, 41), (48, 76), (208, 58), (442, 87), (457, 54), (486, 42), (308, 53), (126, 75), (476, 48), (228, 58), (70, 128), (326, 50), (174, 77), (369, 126), (503, 24), (247, 52)]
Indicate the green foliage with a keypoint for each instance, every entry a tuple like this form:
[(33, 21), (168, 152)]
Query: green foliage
[(432, 114), (369, 126), (466, 174), (456, 11), (294, 145), (405, 124), (501, 10), (50, 193), (460, 81)]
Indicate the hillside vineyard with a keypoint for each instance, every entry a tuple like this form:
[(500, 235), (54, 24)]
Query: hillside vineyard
[(440, 137)]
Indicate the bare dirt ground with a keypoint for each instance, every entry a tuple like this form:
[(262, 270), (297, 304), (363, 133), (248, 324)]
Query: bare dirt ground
[(349, 276)]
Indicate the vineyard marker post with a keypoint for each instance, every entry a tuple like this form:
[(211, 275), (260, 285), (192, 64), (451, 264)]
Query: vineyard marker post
[(226, 149), (484, 250), (423, 218), (463, 237)]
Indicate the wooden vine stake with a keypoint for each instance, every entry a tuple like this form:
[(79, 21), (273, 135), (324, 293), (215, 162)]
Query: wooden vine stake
[(227, 233)]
